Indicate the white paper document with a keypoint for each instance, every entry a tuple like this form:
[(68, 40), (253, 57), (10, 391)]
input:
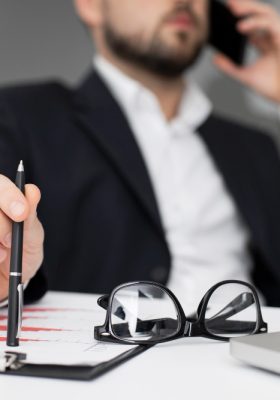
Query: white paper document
[(60, 330)]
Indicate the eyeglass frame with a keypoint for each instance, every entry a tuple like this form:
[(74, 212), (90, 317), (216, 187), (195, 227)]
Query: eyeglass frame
[(187, 327)]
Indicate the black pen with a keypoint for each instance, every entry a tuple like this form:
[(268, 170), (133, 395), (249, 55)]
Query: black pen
[(15, 301)]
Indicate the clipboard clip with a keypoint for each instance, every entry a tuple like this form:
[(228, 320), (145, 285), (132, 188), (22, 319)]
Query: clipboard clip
[(11, 361)]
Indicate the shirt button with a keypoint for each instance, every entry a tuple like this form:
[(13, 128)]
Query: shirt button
[(159, 274)]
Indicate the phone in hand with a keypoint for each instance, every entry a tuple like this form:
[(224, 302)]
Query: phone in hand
[(224, 36)]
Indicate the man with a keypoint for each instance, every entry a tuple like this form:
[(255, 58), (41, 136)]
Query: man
[(139, 179)]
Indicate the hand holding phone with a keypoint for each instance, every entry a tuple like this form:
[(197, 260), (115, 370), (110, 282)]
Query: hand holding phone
[(260, 23)]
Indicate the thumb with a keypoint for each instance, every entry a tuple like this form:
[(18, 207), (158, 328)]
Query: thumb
[(225, 65)]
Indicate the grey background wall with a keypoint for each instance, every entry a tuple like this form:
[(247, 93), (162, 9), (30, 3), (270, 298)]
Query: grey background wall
[(42, 39)]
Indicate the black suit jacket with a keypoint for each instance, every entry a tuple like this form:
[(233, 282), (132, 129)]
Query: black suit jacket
[(98, 207)]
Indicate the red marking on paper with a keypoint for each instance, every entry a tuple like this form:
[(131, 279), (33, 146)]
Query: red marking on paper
[(3, 339), (38, 329), (43, 309), (34, 329), (4, 318), (50, 309)]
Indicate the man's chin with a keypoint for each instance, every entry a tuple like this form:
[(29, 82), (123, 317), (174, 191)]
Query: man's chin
[(180, 46), (167, 55), (169, 66), (181, 57)]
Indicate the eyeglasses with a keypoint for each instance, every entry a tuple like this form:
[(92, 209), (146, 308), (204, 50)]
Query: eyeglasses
[(149, 313)]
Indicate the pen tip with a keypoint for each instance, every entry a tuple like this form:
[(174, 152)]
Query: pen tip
[(20, 166)]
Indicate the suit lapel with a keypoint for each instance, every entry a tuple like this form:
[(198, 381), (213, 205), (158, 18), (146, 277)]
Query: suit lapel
[(99, 114), (232, 157)]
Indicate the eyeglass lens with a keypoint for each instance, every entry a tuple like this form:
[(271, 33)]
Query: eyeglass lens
[(231, 311), (143, 312)]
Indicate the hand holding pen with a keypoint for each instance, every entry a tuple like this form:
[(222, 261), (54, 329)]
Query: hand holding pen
[(15, 300), (17, 207)]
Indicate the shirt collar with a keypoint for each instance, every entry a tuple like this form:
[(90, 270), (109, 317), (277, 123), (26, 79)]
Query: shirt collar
[(195, 107)]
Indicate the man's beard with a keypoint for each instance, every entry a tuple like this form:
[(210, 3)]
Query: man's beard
[(157, 57)]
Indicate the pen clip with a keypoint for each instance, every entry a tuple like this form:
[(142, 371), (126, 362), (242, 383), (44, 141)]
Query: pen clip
[(20, 307)]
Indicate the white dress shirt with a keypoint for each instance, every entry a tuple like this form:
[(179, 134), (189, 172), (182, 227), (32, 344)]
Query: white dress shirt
[(207, 240)]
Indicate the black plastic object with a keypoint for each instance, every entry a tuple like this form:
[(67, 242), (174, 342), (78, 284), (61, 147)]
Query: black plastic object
[(218, 327), (224, 36)]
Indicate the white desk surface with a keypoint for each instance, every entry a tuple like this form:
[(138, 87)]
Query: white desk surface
[(183, 369)]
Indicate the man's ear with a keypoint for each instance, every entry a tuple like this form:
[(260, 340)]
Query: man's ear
[(89, 11)]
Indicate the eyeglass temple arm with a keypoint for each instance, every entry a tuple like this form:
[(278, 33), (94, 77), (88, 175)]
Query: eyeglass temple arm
[(231, 326), (220, 323), (240, 303)]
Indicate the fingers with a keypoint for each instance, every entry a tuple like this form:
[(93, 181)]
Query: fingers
[(5, 236), (229, 68), (3, 253), (255, 16), (33, 235), (31, 224), (244, 75), (255, 23), (32, 227), (261, 42), (261, 24), (33, 196), (5, 229), (33, 230), (17, 207), (12, 200), (243, 8)]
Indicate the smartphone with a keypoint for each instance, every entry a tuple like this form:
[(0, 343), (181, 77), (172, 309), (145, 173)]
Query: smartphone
[(224, 36)]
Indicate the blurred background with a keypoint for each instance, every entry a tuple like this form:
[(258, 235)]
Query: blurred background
[(43, 39)]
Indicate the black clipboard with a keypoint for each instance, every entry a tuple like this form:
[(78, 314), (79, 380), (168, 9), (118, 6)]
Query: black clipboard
[(82, 373)]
